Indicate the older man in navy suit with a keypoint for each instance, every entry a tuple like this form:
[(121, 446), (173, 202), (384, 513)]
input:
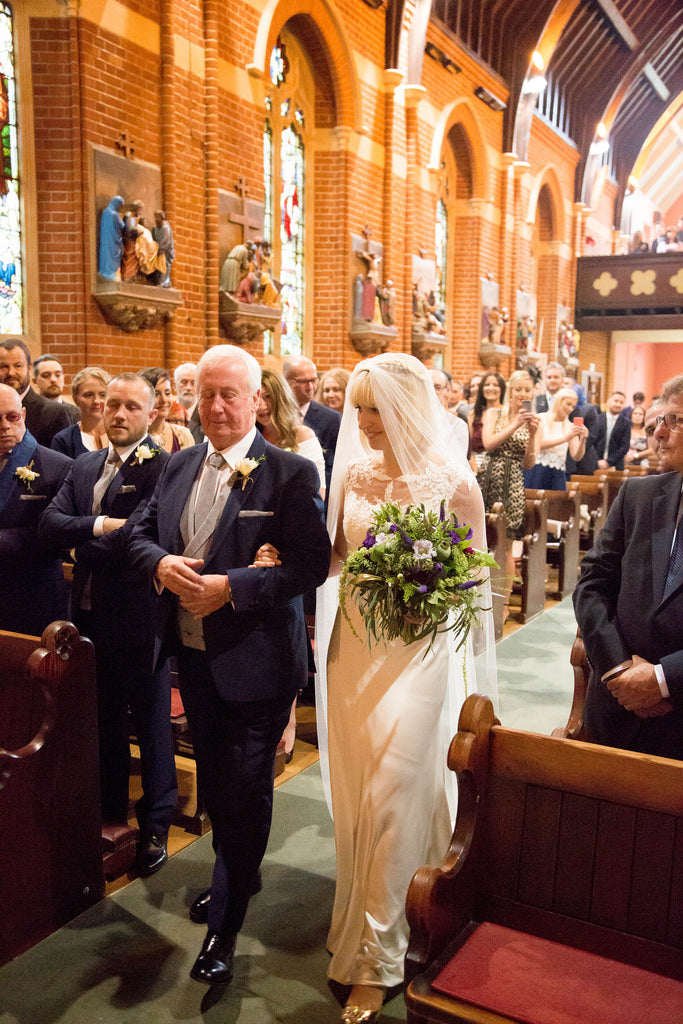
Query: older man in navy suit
[(33, 592), (237, 629), (112, 604), (629, 605)]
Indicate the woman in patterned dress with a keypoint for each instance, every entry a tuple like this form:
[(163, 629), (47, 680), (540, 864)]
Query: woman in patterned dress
[(511, 439)]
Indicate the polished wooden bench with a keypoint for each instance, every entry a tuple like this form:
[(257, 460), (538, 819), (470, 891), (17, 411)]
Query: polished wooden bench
[(562, 548), (533, 558), (51, 848), (594, 495), (560, 842), (496, 541)]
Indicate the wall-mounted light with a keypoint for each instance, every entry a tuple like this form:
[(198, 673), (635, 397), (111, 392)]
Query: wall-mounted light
[(632, 183), (441, 58), (534, 85), (489, 99), (537, 60)]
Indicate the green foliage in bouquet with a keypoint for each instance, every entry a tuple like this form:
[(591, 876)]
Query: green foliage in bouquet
[(414, 568)]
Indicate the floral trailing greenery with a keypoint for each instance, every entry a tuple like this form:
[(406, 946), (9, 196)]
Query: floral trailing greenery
[(413, 570)]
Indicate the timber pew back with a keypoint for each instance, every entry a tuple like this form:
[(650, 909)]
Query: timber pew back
[(594, 495), (555, 840), (562, 551), (51, 848), (532, 562)]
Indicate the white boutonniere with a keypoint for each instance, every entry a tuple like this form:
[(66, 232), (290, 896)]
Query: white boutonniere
[(244, 468), (26, 474), (144, 452)]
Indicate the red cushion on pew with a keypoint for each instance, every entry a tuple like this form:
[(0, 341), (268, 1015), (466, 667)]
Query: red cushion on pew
[(540, 982), (177, 708)]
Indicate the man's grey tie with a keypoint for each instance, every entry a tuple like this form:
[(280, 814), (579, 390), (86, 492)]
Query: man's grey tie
[(207, 488), (675, 572), (111, 468)]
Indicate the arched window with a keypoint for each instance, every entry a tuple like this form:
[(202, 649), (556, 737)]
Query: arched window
[(284, 142), (11, 264)]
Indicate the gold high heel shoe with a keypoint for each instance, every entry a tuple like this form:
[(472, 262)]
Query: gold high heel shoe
[(357, 1015)]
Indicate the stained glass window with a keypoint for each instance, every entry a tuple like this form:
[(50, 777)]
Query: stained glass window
[(283, 168), (291, 241), (11, 288)]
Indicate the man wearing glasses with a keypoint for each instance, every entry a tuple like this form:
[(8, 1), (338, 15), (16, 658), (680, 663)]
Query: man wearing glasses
[(629, 604), (302, 378), (33, 592)]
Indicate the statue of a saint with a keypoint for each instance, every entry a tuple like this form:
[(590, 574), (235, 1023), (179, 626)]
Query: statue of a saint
[(111, 243), (235, 267), (129, 263), (163, 236)]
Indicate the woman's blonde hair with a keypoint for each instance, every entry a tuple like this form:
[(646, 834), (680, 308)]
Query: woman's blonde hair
[(559, 396), (399, 387), (284, 411), (89, 371), (518, 377), (340, 375)]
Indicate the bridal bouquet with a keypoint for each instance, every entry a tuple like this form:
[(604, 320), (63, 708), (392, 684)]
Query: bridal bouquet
[(413, 571)]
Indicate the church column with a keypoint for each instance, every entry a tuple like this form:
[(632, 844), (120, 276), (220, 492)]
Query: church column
[(77, 319), (413, 95), (211, 99), (170, 178), (520, 254), (393, 266), (507, 218), (340, 262)]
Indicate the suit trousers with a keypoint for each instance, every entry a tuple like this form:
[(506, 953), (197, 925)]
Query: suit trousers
[(235, 744), (125, 679)]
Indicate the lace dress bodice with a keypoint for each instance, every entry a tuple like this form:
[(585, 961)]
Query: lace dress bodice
[(367, 485)]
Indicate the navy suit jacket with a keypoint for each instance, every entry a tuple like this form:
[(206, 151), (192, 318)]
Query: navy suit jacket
[(619, 440), (29, 569), (44, 417), (121, 597), (257, 647), (69, 441), (325, 424), (619, 607)]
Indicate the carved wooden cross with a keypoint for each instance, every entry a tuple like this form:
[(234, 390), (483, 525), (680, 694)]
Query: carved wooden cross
[(125, 144), (247, 218)]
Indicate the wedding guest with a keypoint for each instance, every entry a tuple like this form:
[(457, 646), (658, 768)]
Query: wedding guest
[(638, 447), (490, 394), (172, 437), (88, 390), (332, 388), (558, 436)]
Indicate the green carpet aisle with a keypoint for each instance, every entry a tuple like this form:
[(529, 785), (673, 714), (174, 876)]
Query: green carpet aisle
[(126, 960)]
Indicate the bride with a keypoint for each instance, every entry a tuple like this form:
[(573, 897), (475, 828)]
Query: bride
[(389, 712)]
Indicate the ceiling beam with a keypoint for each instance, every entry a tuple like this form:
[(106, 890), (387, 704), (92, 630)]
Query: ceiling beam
[(656, 82), (619, 23)]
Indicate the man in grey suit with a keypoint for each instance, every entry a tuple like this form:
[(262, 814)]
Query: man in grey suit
[(629, 605)]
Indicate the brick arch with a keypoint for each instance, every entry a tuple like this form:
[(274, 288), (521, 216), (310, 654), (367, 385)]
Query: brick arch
[(330, 29), (460, 113), (548, 178)]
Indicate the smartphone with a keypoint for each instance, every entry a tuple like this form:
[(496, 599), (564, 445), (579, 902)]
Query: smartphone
[(526, 406), (578, 421)]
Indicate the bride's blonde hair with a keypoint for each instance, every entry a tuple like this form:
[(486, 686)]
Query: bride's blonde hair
[(399, 386)]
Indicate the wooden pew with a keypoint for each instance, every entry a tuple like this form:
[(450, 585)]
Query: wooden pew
[(594, 494), (562, 552), (555, 841), (532, 562), (496, 527), (574, 729), (51, 847)]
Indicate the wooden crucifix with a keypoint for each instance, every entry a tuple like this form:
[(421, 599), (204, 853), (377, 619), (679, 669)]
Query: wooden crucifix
[(126, 145)]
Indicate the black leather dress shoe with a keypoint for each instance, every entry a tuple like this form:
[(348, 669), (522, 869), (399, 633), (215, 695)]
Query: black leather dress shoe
[(199, 911), (214, 965), (152, 854)]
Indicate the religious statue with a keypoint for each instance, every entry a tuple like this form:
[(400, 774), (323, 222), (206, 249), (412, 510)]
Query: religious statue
[(151, 263), (129, 263), (568, 343), (111, 243), (270, 289), (424, 312), (163, 236), (235, 267), (387, 303)]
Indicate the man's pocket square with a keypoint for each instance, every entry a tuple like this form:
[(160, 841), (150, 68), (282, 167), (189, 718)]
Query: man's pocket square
[(126, 489), (253, 513), (32, 497)]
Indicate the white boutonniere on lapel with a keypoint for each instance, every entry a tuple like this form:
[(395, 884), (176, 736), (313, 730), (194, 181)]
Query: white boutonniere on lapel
[(26, 474), (244, 468), (144, 452)]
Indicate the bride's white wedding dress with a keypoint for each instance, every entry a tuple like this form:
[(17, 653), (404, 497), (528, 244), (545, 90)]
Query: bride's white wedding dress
[(387, 747)]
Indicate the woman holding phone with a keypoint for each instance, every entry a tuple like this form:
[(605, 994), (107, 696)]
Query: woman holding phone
[(510, 436), (557, 436)]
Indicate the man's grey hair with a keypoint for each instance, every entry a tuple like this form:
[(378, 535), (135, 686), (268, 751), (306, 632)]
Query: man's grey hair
[(219, 353), (554, 366), (291, 361), (672, 388), (180, 370)]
